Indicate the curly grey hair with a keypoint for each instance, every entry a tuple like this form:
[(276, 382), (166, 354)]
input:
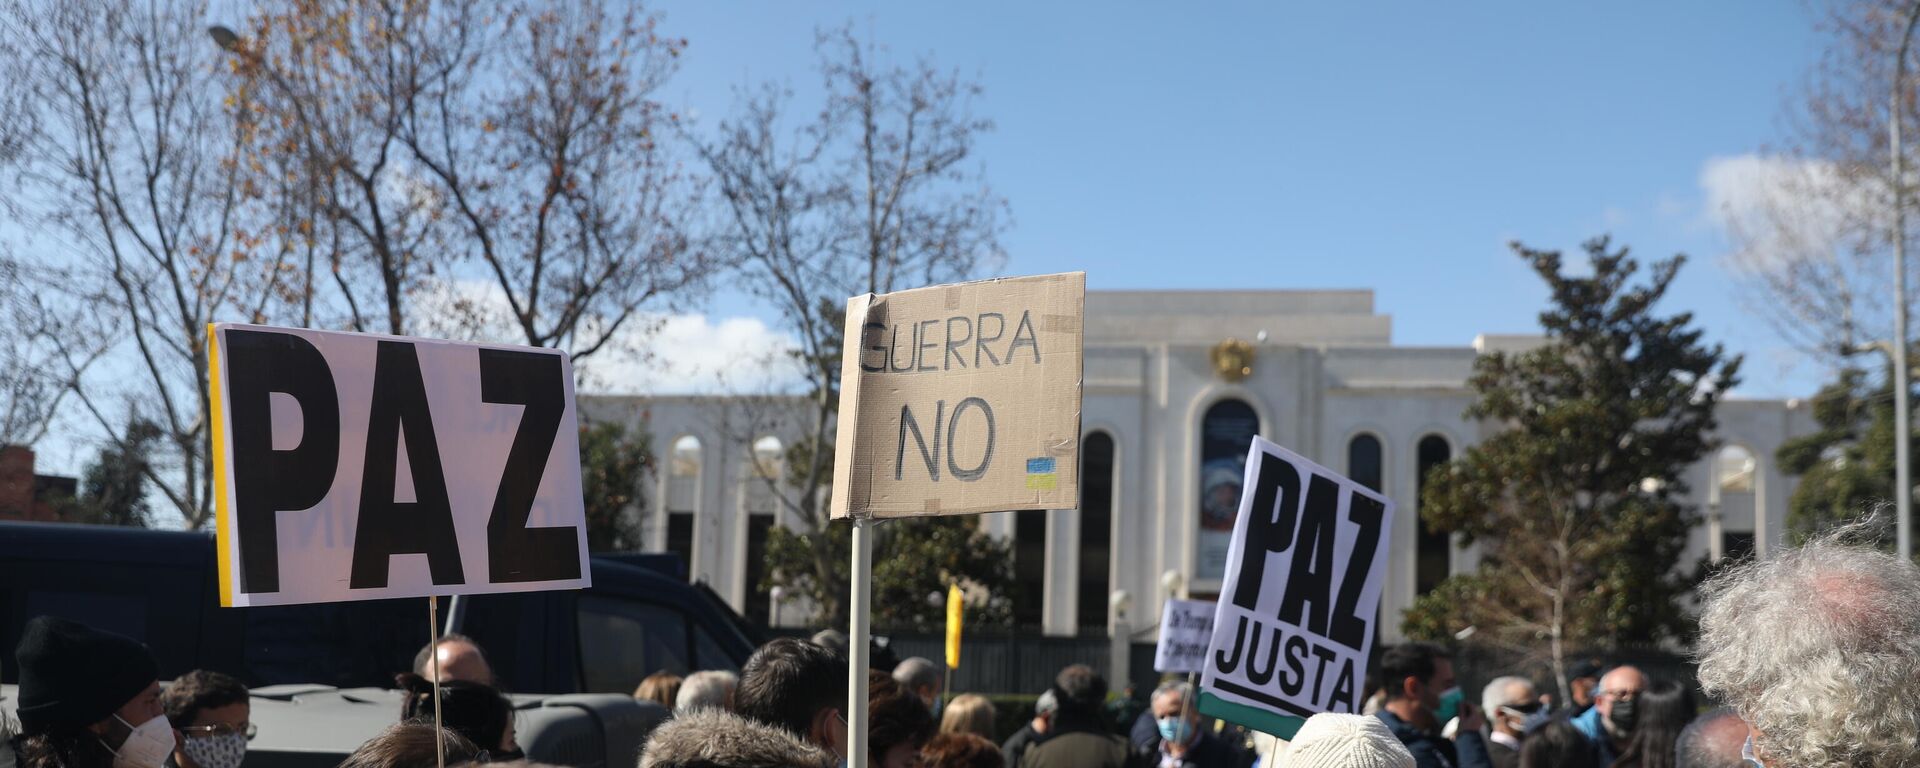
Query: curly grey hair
[(1818, 649)]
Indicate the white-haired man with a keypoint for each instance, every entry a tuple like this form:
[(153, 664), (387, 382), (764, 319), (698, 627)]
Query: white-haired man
[(707, 689), (1507, 701), (1818, 649), (922, 677)]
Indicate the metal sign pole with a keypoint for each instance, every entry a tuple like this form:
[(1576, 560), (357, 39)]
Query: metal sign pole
[(858, 639)]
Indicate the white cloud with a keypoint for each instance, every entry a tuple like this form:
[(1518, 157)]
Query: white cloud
[(651, 354), (692, 354), (1773, 207)]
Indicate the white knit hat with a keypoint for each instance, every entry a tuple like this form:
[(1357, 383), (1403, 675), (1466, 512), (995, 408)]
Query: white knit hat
[(1331, 740)]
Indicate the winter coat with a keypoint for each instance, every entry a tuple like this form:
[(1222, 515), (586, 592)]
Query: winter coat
[(713, 738)]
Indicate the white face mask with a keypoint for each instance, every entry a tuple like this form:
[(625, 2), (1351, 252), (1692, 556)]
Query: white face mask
[(148, 746), (222, 751)]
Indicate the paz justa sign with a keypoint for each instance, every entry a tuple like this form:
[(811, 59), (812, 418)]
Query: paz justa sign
[(1302, 589)]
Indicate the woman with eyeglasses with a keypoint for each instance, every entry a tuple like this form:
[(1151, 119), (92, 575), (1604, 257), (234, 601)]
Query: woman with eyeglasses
[(211, 711)]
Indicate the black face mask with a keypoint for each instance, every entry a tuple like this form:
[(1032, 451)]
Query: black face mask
[(1623, 715)]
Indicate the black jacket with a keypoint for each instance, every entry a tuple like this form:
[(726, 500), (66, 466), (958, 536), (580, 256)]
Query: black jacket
[(1017, 745), (1432, 751)]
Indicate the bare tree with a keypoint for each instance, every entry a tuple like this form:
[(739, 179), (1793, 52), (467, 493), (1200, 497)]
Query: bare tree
[(873, 195), (1811, 223), (518, 139), (133, 169)]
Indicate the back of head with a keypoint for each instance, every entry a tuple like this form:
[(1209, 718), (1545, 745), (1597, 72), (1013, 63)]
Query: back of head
[(470, 661), (962, 750), (1333, 740), (1500, 693), (787, 681), (1557, 744), (1080, 688), (1804, 643), (968, 713), (1415, 660), (410, 745), (1661, 712), (832, 640), (200, 690), (473, 710), (706, 689), (916, 673), (897, 718), (661, 688), (1712, 740)]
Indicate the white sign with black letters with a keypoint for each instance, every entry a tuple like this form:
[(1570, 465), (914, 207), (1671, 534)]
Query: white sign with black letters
[(354, 466), (1302, 588), (1186, 627)]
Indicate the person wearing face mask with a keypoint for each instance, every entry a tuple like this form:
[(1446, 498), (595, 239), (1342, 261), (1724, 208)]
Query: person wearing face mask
[(1415, 675), (1179, 741), (213, 715), (1609, 724), (88, 699), (1509, 702)]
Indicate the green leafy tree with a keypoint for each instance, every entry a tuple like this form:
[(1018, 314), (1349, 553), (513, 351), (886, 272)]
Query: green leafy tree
[(614, 466), (1846, 466), (914, 561), (1575, 501)]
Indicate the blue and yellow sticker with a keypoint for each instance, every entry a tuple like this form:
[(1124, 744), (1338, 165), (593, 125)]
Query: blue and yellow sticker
[(1040, 474)]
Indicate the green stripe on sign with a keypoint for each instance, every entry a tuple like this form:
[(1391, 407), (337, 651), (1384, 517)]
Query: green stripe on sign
[(1281, 726)]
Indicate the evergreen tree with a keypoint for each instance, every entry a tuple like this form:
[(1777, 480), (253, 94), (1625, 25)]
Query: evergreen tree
[(1847, 466), (113, 487), (1575, 500), (614, 466)]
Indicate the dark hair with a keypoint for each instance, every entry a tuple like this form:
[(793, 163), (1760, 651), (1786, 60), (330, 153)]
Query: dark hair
[(1661, 712), (410, 745), (1415, 660), (787, 682), (899, 717), (1079, 684), (962, 750), (1700, 747), (422, 659), (198, 690), (1557, 744), (474, 710), (64, 745)]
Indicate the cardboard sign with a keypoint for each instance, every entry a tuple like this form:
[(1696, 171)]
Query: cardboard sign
[(351, 467), (962, 398), (1186, 628), (1300, 597)]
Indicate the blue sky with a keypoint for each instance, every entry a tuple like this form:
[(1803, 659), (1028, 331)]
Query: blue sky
[(1396, 147)]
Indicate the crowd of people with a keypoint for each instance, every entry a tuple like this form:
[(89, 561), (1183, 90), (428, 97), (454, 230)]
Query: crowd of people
[(1815, 653)]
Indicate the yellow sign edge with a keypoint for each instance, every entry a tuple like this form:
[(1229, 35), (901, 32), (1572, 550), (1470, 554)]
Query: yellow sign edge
[(223, 518)]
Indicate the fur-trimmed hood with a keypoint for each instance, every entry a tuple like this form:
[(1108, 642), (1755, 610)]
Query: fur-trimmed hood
[(713, 738)]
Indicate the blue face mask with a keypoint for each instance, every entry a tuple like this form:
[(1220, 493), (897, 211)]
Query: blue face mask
[(1175, 729), (1746, 753)]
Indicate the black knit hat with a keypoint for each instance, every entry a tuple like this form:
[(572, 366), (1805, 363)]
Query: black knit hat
[(73, 674)]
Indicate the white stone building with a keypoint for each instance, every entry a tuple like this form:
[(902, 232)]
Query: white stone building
[(1167, 409)]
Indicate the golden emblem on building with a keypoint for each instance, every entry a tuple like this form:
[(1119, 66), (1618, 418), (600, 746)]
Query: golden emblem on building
[(1232, 360)]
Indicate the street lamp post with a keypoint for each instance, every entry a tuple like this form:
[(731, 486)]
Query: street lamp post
[(1902, 419)]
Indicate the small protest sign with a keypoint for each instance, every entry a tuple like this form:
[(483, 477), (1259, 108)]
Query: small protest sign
[(961, 398), (353, 466), (1302, 588), (1186, 628)]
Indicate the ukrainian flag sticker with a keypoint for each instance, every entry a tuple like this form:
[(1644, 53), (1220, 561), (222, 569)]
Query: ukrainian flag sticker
[(1040, 474)]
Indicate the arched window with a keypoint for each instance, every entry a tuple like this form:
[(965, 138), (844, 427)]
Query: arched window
[(1434, 554), (763, 507), (1732, 498), (1226, 432), (1096, 528), (683, 494), (1365, 464)]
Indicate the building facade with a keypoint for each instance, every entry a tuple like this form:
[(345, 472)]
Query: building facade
[(1175, 384)]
